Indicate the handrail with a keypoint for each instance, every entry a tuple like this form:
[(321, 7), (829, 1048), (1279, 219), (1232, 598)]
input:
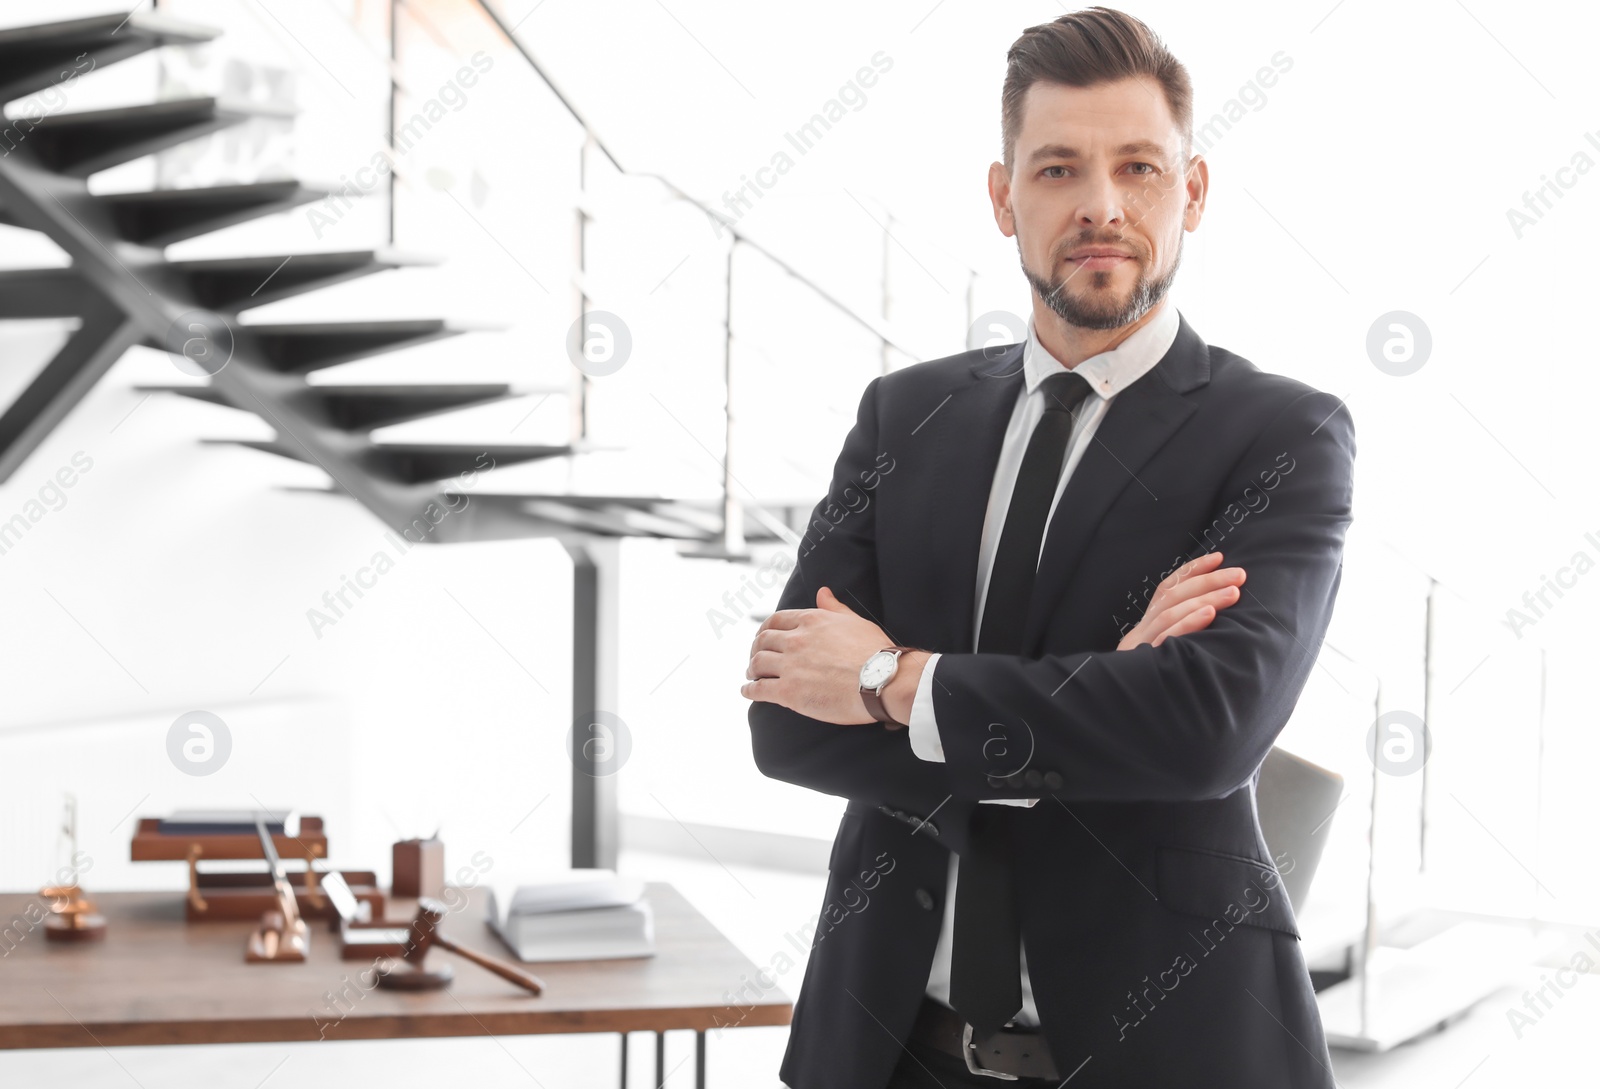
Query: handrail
[(1372, 674), (1478, 610), (873, 326)]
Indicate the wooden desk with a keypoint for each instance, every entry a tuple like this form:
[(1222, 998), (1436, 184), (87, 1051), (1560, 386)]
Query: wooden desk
[(155, 979)]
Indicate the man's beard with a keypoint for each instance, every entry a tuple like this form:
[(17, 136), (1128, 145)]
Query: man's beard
[(1101, 312)]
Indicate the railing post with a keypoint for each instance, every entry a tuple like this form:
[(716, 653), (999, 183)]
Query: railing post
[(732, 509), (883, 344), (1538, 782), (1427, 722), (972, 303), (394, 108), (1369, 933), (578, 402)]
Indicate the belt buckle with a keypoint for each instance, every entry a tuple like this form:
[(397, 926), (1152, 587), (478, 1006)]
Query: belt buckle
[(968, 1047)]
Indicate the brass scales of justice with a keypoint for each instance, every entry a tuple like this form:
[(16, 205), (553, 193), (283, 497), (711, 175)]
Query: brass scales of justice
[(73, 916)]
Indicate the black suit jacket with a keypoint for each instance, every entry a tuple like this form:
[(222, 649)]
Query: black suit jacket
[(1161, 946)]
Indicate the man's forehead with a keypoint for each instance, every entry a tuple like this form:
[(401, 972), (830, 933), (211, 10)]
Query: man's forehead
[(1122, 117)]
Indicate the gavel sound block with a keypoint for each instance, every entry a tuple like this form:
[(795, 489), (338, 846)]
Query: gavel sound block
[(277, 939), (415, 976)]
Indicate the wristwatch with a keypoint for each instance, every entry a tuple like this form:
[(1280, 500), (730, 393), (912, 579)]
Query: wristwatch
[(876, 674)]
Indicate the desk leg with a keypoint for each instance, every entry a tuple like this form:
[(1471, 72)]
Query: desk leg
[(624, 1081), (661, 1059)]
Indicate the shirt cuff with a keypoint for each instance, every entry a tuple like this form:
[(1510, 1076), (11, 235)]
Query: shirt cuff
[(923, 730)]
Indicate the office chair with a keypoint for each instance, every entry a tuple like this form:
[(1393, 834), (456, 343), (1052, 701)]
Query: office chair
[(1295, 800)]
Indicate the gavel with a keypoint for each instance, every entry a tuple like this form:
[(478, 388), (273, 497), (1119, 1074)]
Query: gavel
[(424, 936)]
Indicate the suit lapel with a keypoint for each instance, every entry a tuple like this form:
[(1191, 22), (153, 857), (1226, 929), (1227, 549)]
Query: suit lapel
[(1140, 420), (966, 434)]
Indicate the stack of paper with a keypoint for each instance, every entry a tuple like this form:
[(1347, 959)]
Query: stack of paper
[(573, 915), (210, 822)]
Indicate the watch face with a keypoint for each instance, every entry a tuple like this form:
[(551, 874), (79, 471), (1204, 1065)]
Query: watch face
[(879, 668)]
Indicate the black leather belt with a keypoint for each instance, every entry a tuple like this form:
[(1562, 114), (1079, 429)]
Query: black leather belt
[(1017, 1052)]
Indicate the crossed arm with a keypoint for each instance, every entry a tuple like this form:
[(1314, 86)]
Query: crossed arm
[(1160, 718)]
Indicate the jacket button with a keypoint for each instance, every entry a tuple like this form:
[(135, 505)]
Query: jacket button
[(1033, 777), (925, 899), (996, 780), (1052, 780)]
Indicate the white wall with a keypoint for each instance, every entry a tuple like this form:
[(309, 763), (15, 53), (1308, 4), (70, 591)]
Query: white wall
[(174, 576)]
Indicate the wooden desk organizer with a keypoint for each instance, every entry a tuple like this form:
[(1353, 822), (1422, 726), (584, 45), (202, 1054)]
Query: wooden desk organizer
[(235, 896), (247, 895)]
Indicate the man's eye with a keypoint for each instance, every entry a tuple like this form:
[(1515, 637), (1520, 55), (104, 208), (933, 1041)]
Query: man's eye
[(1050, 168), (1152, 168)]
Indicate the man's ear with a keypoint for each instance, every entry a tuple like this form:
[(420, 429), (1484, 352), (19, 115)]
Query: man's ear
[(1000, 199), (1198, 185)]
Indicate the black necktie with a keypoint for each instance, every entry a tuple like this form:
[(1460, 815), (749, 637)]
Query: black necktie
[(985, 956)]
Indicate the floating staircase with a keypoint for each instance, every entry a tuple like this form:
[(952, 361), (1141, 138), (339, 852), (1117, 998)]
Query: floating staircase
[(127, 292)]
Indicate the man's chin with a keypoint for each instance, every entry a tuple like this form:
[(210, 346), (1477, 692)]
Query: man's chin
[(1098, 312)]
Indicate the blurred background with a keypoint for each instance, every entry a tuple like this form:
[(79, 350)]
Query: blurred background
[(769, 207)]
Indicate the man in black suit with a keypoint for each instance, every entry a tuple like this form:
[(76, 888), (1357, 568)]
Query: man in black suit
[(1009, 643)]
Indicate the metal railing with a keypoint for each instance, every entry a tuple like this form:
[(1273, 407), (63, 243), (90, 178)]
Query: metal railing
[(731, 543)]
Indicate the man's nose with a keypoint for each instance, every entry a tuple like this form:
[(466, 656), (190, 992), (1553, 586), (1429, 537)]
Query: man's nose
[(1100, 203)]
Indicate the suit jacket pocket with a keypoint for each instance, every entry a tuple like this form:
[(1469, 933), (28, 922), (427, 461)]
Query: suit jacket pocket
[(1219, 886)]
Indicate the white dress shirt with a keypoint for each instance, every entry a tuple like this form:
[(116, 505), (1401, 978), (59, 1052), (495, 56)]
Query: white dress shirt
[(1108, 373)]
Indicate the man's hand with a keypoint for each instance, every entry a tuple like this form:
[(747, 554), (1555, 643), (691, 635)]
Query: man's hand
[(809, 660), (1186, 601)]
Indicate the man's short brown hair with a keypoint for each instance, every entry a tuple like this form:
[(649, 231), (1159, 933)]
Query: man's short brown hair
[(1082, 48)]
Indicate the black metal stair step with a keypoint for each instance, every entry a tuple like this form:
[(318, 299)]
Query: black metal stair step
[(159, 217), (423, 462), (419, 462), (697, 522), (42, 293), (583, 502), (302, 347), (659, 517), (655, 517), (361, 407), (611, 521), (231, 283), (81, 143), (35, 57)]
